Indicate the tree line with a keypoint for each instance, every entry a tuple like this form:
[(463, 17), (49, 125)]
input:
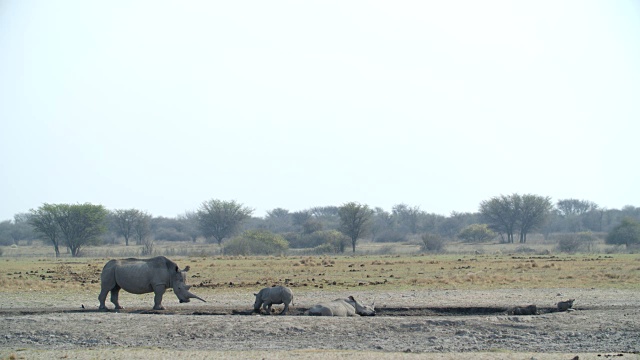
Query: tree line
[(509, 218)]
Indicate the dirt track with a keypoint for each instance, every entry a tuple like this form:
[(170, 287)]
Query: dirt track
[(604, 322)]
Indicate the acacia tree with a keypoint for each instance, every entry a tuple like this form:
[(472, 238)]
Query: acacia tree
[(81, 224), (534, 210), (189, 221), (43, 220), (124, 222), (506, 213), (354, 221), (220, 219), (407, 217), (570, 207), (501, 214), (142, 229), (78, 225)]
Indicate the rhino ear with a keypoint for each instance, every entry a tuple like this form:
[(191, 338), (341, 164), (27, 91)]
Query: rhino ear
[(351, 298), (186, 268)]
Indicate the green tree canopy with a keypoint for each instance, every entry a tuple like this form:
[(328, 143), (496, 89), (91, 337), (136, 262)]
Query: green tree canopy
[(626, 233), (476, 233), (77, 225), (43, 220), (220, 219), (256, 242)]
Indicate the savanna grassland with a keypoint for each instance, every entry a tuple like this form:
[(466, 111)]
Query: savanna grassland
[(434, 306)]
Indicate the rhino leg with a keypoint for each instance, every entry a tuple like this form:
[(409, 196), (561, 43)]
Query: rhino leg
[(267, 307), (286, 307), (114, 297), (102, 298), (157, 299)]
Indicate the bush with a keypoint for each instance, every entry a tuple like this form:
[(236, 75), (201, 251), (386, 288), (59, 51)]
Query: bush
[(627, 233), (432, 243), (572, 243), (333, 237), (476, 233), (256, 242)]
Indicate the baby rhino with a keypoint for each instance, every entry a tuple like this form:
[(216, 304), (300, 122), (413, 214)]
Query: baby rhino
[(273, 295), (565, 305)]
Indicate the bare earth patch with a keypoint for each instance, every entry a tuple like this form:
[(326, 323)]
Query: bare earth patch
[(409, 324)]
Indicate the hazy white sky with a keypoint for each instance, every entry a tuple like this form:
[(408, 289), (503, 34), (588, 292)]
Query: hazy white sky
[(161, 105)]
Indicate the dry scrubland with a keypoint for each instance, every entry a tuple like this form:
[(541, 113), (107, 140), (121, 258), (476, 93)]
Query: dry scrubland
[(444, 306)]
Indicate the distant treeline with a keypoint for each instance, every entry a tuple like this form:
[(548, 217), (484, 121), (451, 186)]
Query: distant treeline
[(314, 226)]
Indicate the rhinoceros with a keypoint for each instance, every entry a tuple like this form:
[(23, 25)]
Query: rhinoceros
[(342, 307), (565, 305), (273, 295), (524, 310), (141, 276)]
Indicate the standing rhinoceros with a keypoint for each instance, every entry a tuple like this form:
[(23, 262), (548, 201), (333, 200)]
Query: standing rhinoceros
[(273, 295), (141, 276), (342, 307)]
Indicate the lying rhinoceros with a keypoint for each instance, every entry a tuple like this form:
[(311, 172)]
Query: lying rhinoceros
[(524, 310), (273, 295), (342, 307), (141, 276)]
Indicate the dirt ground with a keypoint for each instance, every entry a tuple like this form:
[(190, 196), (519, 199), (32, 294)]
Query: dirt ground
[(408, 324)]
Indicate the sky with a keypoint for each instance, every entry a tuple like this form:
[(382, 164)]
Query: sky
[(162, 105)]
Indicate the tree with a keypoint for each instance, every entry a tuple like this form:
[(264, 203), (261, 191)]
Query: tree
[(220, 219), (190, 224), (354, 221), (505, 214), (80, 224), (501, 214), (476, 233), (278, 220), (44, 223), (626, 233), (142, 231), (407, 217), (570, 207), (124, 222), (533, 212)]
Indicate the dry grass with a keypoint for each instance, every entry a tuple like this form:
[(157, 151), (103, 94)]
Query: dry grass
[(368, 272)]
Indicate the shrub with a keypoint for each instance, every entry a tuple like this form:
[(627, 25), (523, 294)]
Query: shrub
[(333, 237), (574, 242), (627, 233), (256, 242), (476, 233), (432, 243)]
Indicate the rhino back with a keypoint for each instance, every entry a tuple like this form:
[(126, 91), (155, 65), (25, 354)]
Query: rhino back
[(338, 307), (275, 295), (138, 276)]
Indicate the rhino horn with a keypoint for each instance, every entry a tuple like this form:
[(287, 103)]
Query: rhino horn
[(194, 296)]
